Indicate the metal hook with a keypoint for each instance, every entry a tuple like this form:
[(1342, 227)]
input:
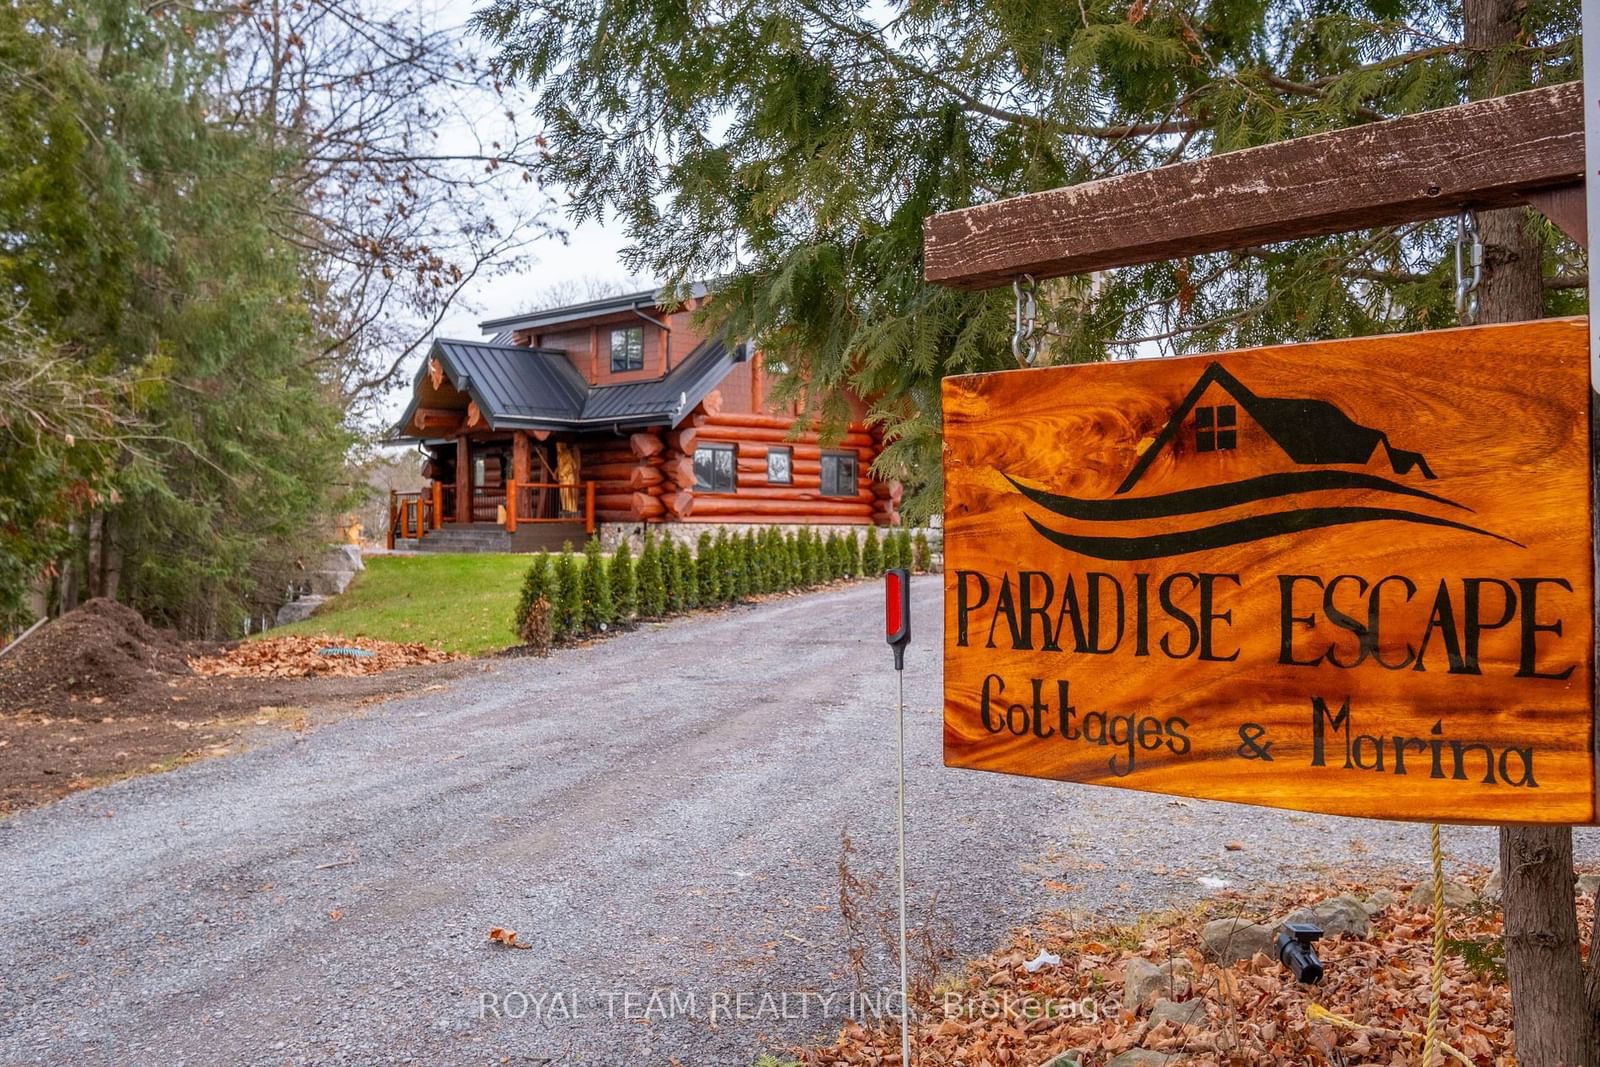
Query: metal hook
[(1467, 289), (1023, 338)]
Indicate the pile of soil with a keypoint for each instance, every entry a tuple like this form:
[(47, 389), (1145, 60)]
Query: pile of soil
[(102, 650), (100, 694)]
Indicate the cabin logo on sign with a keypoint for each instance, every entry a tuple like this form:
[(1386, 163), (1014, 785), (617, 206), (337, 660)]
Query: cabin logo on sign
[(1309, 433)]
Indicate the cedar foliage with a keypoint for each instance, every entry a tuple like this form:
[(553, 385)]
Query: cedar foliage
[(710, 581), (923, 559), (599, 609), (567, 618), (624, 582), (872, 555), (837, 135), (672, 575), (531, 620), (652, 580), (723, 560), (688, 579)]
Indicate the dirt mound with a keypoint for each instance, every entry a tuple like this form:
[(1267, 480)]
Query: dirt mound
[(103, 649)]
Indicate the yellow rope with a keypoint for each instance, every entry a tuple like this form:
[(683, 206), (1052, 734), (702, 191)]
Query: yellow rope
[(1431, 1042)]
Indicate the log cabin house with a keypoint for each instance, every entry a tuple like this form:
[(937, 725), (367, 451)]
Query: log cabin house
[(610, 415)]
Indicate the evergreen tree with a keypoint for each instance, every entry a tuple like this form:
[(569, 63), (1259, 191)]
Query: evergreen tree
[(727, 579), (811, 557), (906, 555), (752, 564), (872, 555), (624, 582), (852, 555), (652, 582), (566, 619), (672, 575), (599, 610), (689, 579), (710, 579), (536, 586), (961, 104), (777, 567), (797, 562), (924, 553)]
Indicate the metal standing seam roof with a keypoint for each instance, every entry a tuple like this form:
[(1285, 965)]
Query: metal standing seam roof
[(515, 386)]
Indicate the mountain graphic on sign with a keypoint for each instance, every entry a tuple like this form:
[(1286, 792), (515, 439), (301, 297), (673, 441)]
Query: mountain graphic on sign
[(1311, 433)]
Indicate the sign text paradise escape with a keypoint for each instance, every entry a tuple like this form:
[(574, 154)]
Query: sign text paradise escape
[(1345, 621), (1352, 577)]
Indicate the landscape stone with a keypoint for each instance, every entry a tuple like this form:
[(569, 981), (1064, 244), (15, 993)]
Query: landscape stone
[(1588, 884), (298, 610), (1143, 982), (1228, 940), (1185, 1013), (1456, 895), (1343, 914), (1491, 888), (331, 583), (344, 558), (1381, 901), (1142, 1057)]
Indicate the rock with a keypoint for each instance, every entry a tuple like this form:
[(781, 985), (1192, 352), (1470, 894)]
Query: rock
[(1143, 982), (1142, 1057), (1588, 884), (331, 583), (1227, 940), (1343, 914), (297, 610), (1456, 895), (1491, 888), (344, 558), (1381, 901), (1186, 1013)]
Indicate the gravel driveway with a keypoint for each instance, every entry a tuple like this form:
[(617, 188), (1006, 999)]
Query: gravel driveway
[(659, 813)]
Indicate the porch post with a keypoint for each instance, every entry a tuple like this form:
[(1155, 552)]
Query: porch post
[(463, 479), (438, 504), (392, 520)]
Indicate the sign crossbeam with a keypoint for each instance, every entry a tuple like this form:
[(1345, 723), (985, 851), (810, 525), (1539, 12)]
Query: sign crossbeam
[(1499, 152)]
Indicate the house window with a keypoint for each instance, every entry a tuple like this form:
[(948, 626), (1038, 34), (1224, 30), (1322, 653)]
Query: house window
[(627, 349), (780, 466), (714, 468), (1216, 429), (839, 474)]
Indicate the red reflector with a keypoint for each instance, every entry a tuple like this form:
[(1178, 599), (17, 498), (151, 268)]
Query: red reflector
[(894, 621)]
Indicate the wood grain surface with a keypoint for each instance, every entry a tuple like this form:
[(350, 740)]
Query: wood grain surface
[(1488, 153), (1351, 577)]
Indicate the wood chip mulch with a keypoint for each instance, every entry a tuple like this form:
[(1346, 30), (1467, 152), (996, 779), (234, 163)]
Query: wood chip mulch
[(305, 657), (1370, 1008)]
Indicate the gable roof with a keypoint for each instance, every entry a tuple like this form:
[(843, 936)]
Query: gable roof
[(538, 320), (1310, 432), (531, 388)]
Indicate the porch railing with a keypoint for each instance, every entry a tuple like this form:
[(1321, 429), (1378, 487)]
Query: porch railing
[(413, 514), (544, 502)]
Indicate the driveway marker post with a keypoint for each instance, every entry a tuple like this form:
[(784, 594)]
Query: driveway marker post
[(897, 629)]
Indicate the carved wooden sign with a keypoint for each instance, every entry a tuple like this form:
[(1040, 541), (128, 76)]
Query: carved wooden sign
[(1351, 577)]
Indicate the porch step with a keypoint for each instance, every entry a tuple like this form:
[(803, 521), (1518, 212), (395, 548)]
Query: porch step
[(489, 537)]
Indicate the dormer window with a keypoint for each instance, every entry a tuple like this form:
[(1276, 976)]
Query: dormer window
[(1216, 429), (627, 349)]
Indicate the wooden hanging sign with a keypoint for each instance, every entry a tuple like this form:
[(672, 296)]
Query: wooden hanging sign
[(1351, 577)]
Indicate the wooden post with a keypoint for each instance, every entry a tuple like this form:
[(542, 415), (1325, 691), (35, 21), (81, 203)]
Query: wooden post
[(438, 504), (588, 508), (390, 539), (511, 506), (463, 479)]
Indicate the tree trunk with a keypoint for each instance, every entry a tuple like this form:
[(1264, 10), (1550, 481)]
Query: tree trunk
[(1555, 1024)]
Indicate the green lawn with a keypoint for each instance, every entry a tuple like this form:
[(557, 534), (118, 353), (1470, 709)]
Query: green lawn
[(461, 603)]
